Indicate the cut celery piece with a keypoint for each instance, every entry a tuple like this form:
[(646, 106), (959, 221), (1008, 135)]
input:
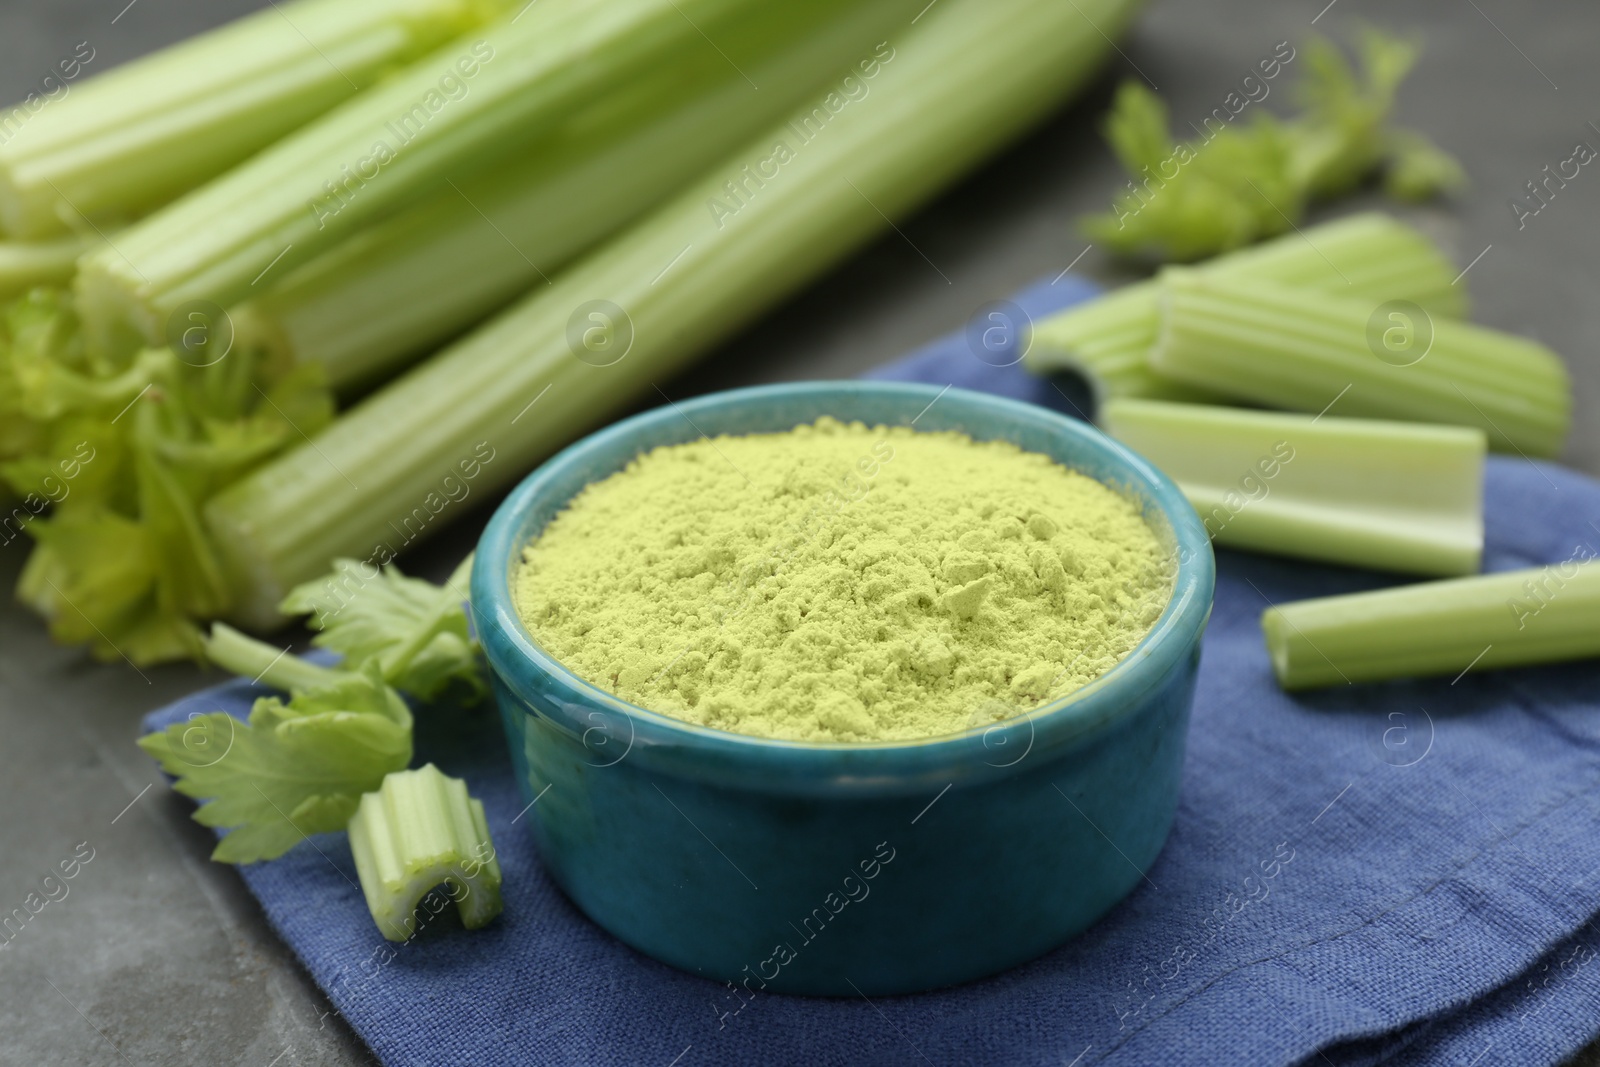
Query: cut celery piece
[(1308, 351), (1389, 495), (384, 150), (1371, 256), (26, 264), (1538, 615), (950, 89), (121, 143), (420, 830), (417, 279)]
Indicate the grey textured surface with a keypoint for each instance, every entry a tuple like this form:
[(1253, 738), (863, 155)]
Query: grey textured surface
[(158, 956)]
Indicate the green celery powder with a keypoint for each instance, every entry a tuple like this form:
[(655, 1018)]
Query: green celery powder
[(844, 583)]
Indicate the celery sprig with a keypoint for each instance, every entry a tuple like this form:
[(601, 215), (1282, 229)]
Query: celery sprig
[(1387, 495), (1370, 256), (420, 830), (961, 80), (1513, 618), (1305, 351), (416, 632), (116, 144), (294, 768), (1243, 180)]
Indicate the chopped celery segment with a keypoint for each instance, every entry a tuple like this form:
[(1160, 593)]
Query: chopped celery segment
[(26, 264), (452, 113), (951, 88), (417, 831), (1369, 256), (1387, 495), (118, 144), (1307, 351), (1537, 615), (414, 280)]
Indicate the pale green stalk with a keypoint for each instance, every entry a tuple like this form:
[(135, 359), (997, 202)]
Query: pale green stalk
[(1371, 256), (273, 667), (1306, 351), (26, 264), (1538, 615), (451, 114), (413, 281), (1386, 495), (961, 81), (421, 830), (111, 146)]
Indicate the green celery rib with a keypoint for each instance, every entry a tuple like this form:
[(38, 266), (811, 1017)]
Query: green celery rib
[(1303, 351), (420, 830), (412, 281), (119, 144), (1370, 255), (1387, 495), (964, 78), (366, 158), (1538, 615), (25, 264)]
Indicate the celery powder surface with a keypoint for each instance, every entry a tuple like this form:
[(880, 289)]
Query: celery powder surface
[(843, 583)]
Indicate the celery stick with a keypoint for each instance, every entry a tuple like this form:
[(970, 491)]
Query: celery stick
[(951, 88), (266, 664), (1538, 615), (26, 264), (415, 280), (1305, 351), (1389, 495), (118, 144), (386, 149), (1369, 256), (419, 830)]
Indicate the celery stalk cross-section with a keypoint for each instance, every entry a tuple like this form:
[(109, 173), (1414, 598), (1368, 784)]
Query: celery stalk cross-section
[(419, 830)]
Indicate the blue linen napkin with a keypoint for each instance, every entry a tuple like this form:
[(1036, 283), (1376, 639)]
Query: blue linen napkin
[(1404, 873)]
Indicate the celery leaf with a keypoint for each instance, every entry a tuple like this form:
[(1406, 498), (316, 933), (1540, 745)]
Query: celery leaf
[(293, 769), (414, 630)]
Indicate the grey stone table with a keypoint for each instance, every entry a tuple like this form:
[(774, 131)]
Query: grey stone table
[(159, 956)]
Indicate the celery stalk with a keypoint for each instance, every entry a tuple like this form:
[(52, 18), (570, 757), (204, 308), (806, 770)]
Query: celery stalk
[(26, 264), (1538, 615), (1371, 256), (949, 89), (417, 279), (1305, 351), (1389, 495), (420, 830), (119, 144), (455, 112)]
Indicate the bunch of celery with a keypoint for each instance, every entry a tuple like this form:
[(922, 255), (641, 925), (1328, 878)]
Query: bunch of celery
[(113, 146), (1241, 180), (446, 118), (369, 303), (946, 90)]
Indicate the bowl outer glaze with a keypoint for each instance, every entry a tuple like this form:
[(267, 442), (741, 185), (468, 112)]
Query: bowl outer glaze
[(747, 859)]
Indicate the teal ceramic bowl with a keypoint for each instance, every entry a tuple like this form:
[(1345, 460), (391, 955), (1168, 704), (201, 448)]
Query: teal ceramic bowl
[(846, 869)]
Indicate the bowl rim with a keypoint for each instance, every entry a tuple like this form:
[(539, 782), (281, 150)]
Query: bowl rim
[(507, 642)]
